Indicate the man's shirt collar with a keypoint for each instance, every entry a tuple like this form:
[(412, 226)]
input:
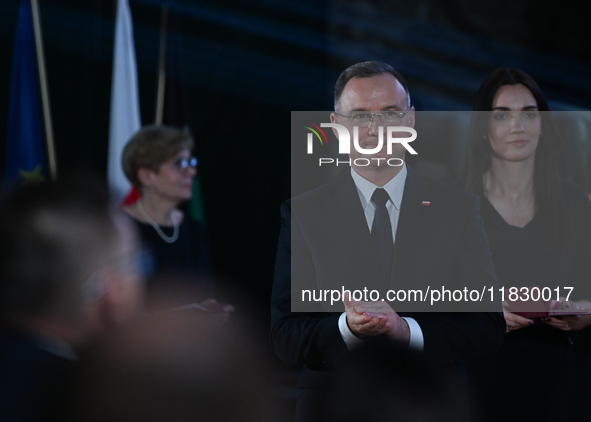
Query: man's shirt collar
[(394, 187)]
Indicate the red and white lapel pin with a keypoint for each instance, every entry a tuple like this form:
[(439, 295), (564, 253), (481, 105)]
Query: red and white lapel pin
[(427, 203)]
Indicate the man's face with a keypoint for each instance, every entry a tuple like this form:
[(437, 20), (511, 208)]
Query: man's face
[(375, 94)]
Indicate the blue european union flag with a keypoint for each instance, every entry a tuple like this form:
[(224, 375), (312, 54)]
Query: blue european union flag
[(25, 156)]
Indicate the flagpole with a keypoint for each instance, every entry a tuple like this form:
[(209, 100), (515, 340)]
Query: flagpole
[(161, 68), (44, 91)]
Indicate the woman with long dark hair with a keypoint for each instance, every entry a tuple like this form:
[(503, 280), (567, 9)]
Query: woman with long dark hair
[(539, 230)]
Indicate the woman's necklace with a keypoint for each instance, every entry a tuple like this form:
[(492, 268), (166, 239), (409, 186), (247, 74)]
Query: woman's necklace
[(164, 237)]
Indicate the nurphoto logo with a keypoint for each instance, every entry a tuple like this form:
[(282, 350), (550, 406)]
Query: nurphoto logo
[(344, 139)]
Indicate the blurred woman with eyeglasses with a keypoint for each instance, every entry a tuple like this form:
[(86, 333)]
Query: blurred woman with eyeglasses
[(157, 160)]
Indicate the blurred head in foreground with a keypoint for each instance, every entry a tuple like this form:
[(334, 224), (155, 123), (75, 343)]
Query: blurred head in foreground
[(172, 367), (67, 261)]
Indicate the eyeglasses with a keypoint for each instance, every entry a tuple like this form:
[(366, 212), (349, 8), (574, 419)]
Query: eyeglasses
[(391, 117), (183, 164)]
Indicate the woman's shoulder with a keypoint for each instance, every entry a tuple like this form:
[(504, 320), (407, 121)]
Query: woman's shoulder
[(141, 226), (132, 212)]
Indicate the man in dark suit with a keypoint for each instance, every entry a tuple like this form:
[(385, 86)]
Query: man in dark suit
[(381, 226)]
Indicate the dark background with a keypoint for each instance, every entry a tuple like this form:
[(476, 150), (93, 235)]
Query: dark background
[(248, 63)]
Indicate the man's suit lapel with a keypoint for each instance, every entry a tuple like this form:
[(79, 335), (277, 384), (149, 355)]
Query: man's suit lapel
[(345, 208), (413, 220)]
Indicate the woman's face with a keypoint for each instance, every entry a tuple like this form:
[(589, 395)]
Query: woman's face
[(173, 181), (515, 124)]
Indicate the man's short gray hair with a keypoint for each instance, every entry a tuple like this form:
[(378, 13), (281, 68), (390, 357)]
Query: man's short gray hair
[(366, 70)]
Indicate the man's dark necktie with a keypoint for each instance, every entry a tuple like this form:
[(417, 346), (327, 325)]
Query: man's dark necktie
[(381, 234)]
